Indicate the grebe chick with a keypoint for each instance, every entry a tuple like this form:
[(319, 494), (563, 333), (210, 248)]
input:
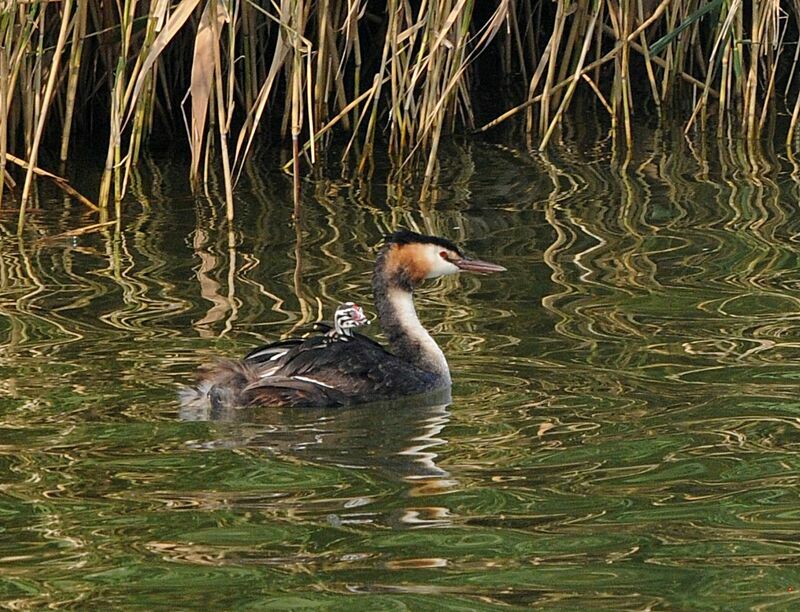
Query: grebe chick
[(347, 317), (341, 367)]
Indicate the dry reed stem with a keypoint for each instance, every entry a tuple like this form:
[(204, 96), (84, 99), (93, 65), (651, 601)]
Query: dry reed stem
[(48, 94), (575, 79), (61, 182), (220, 104), (80, 231), (588, 68), (651, 77), (3, 118), (722, 36), (248, 131), (76, 51)]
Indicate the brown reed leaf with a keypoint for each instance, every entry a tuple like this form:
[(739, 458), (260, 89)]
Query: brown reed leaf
[(203, 78)]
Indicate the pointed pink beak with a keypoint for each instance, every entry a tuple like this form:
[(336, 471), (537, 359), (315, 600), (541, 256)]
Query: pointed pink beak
[(361, 318), (478, 266)]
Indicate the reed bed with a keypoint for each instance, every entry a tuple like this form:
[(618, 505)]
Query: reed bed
[(228, 76)]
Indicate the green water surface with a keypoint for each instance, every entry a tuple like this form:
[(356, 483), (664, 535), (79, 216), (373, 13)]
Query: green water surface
[(624, 427)]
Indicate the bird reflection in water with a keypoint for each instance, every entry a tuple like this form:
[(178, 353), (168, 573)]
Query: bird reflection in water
[(401, 439)]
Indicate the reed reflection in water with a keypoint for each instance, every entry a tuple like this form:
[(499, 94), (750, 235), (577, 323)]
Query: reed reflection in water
[(623, 431)]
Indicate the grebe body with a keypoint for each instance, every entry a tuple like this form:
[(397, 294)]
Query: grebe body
[(341, 367)]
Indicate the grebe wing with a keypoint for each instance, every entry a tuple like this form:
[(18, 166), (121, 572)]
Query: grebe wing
[(293, 391), (346, 371), (313, 372), (272, 351), (275, 350), (231, 384)]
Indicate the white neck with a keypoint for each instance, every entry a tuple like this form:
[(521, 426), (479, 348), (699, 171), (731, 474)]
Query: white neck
[(407, 337)]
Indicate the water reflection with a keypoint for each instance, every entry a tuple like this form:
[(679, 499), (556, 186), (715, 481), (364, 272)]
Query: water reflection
[(623, 427), (397, 438)]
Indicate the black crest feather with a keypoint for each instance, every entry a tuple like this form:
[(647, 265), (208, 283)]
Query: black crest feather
[(409, 237)]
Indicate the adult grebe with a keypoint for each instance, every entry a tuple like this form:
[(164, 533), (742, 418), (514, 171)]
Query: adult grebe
[(340, 367)]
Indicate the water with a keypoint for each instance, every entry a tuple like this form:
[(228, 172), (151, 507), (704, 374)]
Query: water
[(624, 429)]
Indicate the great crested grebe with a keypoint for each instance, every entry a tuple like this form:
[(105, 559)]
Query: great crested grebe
[(339, 367)]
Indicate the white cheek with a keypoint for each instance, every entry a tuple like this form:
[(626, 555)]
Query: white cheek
[(441, 267)]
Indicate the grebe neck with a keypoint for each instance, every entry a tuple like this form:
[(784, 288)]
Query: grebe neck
[(407, 338)]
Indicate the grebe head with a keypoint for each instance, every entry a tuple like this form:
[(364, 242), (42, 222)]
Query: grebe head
[(411, 258), (348, 316)]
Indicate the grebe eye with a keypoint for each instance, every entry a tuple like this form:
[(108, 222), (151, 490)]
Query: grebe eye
[(443, 255)]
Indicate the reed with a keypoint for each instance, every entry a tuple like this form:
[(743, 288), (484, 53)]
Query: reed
[(399, 76)]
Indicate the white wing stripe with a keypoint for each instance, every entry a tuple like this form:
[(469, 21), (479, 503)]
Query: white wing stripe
[(311, 380)]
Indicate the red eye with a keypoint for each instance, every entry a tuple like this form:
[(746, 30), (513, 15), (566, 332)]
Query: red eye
[(443, 254)]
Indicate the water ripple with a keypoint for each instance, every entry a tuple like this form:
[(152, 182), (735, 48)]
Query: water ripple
[(624, 427)]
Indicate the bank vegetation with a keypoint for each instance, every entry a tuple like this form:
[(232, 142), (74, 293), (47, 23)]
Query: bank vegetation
[(226, 76)]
